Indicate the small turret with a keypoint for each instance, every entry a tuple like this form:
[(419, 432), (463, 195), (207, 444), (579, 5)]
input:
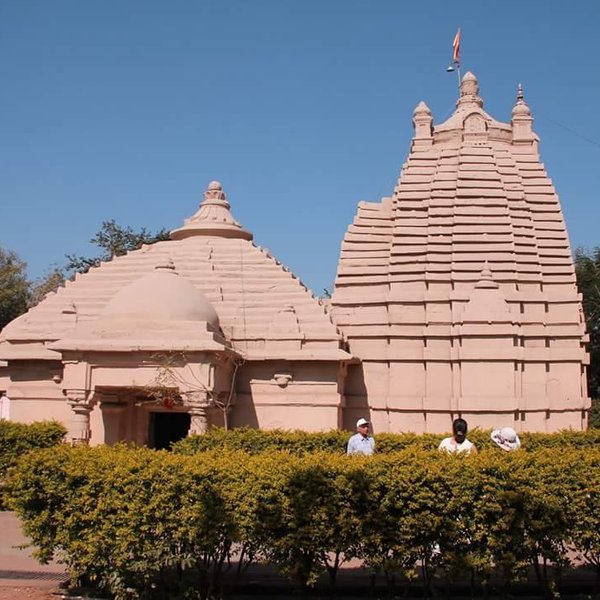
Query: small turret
[(522, 121), (469, 92), (423, 124)]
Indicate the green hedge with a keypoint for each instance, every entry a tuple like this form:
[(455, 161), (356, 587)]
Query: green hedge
[(299, 442), (143, 524), (18, 438)]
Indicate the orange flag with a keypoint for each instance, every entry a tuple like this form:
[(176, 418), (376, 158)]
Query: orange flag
[(456, 47)]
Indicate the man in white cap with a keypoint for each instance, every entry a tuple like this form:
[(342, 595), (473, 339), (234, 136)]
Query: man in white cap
[(506, 438), (361, 442)]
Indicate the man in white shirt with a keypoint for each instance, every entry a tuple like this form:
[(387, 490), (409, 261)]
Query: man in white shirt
[(458, 442), (361, 442)]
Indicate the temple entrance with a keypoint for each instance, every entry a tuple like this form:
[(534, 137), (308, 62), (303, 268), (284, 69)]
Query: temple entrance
[(166, 428)]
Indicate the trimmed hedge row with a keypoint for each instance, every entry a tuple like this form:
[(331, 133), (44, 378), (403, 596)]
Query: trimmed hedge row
[(143, 524), (18, 438), (300, 442)]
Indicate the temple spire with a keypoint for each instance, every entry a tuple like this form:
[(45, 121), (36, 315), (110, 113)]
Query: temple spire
[(522, 121)]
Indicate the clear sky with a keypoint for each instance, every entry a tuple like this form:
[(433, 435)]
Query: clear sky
[(126, 109)]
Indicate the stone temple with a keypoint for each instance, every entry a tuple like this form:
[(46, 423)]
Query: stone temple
[(455, 296)]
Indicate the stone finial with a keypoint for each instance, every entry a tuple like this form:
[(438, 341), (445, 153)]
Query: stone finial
[(469, 91), (215, 190), (485, 279), (522, 121), (213, 218), (521, 107)]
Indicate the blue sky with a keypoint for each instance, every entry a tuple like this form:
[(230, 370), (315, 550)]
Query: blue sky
[(126, 109)]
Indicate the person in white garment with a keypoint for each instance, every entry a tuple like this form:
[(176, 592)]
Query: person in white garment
[(506, 438), (361, 442), (458, 442)]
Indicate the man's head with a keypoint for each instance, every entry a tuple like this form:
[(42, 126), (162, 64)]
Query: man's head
[(459, 430), (362, 426)]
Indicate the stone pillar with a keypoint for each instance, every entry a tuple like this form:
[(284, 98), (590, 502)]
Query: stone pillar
[(112, 412), (197, 404), (79, 425)]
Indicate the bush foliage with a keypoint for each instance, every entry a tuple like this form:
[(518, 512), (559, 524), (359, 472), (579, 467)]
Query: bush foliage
[(18, 438), (139, 523), (255, 441)]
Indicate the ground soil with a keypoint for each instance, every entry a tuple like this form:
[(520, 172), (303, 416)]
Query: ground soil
[(19, 592)]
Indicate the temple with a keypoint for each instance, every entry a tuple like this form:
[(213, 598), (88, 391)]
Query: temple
[(458, 292), (455, 296), (206, 328)]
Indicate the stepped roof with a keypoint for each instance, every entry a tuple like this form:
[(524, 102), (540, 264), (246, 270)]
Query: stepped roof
[(224, 281), (472, 191)]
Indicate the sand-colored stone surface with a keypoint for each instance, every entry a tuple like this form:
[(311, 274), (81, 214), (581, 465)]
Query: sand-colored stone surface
[(454, 296), (457, 293)]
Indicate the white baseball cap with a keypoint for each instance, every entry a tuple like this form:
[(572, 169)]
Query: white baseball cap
[(361, 422)]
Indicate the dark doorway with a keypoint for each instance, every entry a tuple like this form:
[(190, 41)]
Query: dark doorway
[(166, 428)]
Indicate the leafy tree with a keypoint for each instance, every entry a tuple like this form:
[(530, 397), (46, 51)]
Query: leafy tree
[(587, 269), (14, 287), (114, 240), (46, 284)]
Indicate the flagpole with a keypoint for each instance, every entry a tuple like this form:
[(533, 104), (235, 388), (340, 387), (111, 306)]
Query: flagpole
[(456, 56)]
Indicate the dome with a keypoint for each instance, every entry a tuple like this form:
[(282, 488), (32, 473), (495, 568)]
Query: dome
[(162, 295), (520, 107)]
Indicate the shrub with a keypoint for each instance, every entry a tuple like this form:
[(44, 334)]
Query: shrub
[(18, 438), (255, 441), (144, 524), (132, 522)]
